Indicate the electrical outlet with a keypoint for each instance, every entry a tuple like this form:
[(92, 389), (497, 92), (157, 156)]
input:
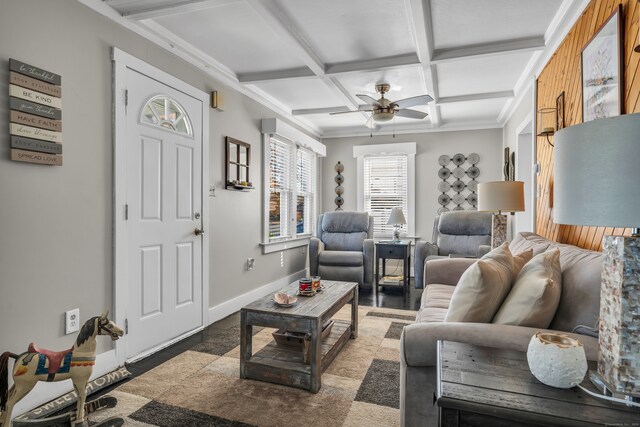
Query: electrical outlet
[(72, 321), (304, 250), (250, 263), (212, 191)]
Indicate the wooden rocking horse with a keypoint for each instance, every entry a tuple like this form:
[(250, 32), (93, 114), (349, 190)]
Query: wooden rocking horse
[(38, 364)]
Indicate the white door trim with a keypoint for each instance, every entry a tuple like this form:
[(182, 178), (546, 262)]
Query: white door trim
[(121, 62), (527, 126)]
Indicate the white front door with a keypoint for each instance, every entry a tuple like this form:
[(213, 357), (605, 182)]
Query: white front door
[(164, 213)]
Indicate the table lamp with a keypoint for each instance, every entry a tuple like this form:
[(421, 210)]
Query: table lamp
[(596, 177), (396, 219), (496, 197)]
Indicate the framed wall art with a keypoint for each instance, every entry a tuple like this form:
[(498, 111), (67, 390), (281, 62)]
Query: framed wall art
[(602, 76)]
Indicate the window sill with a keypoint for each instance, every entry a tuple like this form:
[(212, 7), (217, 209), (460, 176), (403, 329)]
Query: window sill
[(270, 247)]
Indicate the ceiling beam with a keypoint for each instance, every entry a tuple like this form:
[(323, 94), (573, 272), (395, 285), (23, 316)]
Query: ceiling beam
[(289, 35), (475, 97), (486, 49), (421, 27), (305, 111), (266, 76), (174, 8), (373, 64)]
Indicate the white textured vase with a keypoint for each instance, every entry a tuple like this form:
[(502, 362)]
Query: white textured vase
[(557, 360)]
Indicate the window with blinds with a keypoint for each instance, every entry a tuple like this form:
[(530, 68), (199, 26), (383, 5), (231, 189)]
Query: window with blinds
[(292, 190), (280, 190), (385, 187)]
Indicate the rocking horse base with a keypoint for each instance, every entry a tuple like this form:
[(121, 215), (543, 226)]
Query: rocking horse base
[(66, 419)]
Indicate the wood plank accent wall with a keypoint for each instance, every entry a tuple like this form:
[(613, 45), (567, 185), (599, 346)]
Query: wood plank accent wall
[(563, 73)]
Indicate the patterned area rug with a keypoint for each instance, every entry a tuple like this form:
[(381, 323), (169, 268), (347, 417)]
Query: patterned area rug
[(201, 387)]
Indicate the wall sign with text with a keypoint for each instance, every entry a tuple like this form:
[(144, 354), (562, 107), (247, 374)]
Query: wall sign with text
[(35, 102)]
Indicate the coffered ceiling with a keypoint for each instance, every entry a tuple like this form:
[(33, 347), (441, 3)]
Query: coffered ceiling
[(305, 58)]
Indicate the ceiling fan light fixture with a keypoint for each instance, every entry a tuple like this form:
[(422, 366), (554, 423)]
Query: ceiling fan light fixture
[(383, 115)]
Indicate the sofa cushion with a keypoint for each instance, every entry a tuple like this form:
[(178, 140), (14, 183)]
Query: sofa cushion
[(343, 241), (535, 295), (341, 258), (581, 278), (465, 223), (520, 260), (449, 244), (482, 288), (525, 241), (434, 303)]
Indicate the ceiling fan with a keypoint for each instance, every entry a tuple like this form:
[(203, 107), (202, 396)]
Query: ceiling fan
[(383, 109)]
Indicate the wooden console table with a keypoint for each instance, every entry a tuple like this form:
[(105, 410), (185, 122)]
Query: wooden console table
[(482, 386), (286, 366)]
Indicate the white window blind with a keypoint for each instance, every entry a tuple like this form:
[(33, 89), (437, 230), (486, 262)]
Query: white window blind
[(385, 187), (280, 189), (306, 187)]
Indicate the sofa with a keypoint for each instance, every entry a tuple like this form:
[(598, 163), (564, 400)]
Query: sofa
[(455, 233), (343, 248), (576, 315)]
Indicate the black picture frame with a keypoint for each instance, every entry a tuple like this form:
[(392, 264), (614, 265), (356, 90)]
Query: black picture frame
[(602, 73)]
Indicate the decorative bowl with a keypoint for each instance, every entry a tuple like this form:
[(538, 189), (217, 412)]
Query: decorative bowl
[(284, 299), (556, 360)]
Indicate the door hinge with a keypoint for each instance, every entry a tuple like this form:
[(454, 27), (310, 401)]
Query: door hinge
[(126, 326), (126, 212)]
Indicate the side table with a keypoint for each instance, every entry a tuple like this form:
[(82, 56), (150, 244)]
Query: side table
[(393, 250), (483, 386)]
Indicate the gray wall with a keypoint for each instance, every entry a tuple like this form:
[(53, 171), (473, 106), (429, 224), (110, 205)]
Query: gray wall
[(487, 143), (56, 222)]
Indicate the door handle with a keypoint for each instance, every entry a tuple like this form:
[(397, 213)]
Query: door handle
[(198, 231)]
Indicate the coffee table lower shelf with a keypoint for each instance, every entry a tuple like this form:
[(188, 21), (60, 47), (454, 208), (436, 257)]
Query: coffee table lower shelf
[(285, 365)]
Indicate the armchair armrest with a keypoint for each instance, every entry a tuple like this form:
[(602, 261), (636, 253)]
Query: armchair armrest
[(315, 247), (368, 248), (483, 250), (422, 251), (446, 271), (418, 341)]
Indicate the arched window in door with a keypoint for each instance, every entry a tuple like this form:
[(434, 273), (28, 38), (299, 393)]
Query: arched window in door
[(166, 113)]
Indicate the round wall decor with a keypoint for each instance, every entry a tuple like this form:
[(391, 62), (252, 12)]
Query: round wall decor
[(339, 179), (444, 173)]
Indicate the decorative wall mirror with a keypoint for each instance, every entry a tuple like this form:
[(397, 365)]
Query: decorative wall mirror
[(238, 155)]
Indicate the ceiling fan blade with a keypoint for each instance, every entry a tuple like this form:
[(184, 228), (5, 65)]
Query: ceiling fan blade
[(369, 100), (345, 112), (411, 114), (410, 102)]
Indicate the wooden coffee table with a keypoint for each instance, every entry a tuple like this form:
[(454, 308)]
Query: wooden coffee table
[(481, 386), (284, 365)]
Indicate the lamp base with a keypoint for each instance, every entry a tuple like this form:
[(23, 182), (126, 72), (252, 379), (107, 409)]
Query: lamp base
[(498, 230), (396, 233), (607, 390), (618, 338)]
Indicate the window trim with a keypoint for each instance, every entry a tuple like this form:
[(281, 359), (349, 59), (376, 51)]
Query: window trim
[(406, 148)]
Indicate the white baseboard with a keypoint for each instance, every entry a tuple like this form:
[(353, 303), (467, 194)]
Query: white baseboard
[(45, 392), (226, 308)]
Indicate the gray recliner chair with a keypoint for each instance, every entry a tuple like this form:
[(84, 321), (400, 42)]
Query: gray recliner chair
[(343, 249), (456, 233)]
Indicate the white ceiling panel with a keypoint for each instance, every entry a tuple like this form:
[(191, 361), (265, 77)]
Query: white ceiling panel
[(471, 22), (473, 111), (354, 30), (301, 93), (294, 55), (481, 74), (235, 35)]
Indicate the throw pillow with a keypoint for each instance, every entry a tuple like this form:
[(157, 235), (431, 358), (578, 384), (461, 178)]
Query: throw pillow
[(535, 295), (520, 260), (482, 287)]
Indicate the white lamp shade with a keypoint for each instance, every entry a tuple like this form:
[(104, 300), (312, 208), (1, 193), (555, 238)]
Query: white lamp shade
[(596, 173), (396, 217), (505, 196)]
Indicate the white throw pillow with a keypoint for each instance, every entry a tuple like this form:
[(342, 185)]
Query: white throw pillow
[(535, 295), (482, 287)]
